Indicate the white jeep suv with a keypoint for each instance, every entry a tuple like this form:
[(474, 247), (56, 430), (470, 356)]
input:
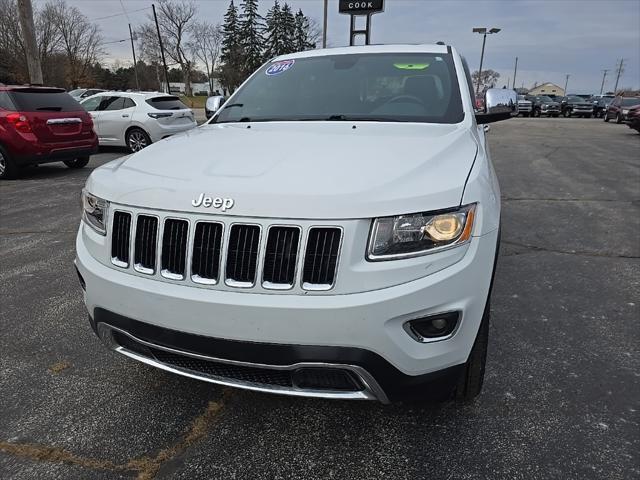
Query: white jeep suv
[(332, 232)]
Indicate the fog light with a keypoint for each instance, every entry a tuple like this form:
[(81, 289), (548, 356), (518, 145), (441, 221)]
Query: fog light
[(433, 327)]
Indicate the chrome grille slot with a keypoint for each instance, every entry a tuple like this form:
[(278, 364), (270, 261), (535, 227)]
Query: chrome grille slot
[(174, 248), (280, 255), (120, 236), (321, 258), (242, 255), (207, 245), (144, 256)]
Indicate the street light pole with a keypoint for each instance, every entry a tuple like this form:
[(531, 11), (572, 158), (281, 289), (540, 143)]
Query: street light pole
[(484, 32), (566, 83)]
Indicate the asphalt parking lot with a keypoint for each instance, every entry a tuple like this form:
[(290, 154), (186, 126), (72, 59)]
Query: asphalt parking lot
[(562, 392)]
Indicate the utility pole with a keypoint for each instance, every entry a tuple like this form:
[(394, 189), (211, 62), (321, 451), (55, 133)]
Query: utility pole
[(566, 82), (25, 11), (620, 70), (515, 70), (604, 75), (164, 62), (135, 63), (324, 24)]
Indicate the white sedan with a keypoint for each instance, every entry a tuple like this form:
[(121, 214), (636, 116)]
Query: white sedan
[(137, 119)]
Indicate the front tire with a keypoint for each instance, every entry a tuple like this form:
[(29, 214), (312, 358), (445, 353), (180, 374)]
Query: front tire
[(137, 139), (606, 116), (76, 163), (470, 382), (8, 169), (618, 118), (566, 114)]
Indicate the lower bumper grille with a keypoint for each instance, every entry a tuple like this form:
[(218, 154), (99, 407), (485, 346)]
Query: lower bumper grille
[(330, 381)]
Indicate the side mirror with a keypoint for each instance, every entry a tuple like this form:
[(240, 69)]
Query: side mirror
[(212, 105), (499, 104)]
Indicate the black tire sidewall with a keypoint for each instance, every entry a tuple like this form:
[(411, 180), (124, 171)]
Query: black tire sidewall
[(11, 169), (79, 162), (136, 129)]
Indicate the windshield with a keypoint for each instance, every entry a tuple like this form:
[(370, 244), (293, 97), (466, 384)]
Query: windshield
[(575, 99), (628, 102), (545, 99), (412, 87), (77, 92)]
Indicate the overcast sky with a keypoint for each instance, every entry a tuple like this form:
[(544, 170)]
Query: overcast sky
[(551, 38)]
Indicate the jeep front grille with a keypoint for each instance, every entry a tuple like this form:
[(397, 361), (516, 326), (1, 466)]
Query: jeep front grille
[(207, 246), (321, 258), (242, 255), (144, 256), (209, 253), (280, 258), (174, 248), (120, 236)]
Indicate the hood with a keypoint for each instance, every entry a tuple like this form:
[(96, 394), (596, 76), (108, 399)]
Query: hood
[(326, 170)]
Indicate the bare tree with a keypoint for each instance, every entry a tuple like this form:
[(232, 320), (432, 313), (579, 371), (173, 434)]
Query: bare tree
[(149, 48), (205, 45), (80, 41), (176, 21)]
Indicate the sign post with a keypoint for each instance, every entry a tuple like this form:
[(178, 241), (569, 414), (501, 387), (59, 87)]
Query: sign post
[(360, 8)]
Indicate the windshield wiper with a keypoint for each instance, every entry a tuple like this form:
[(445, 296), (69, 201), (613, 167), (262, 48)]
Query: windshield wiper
[(357, 118), (233, 105)]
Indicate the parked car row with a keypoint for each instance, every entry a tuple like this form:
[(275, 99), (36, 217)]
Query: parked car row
[(41, 124), (607, 107)]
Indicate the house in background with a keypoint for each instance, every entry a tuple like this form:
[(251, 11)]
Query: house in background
[(547, 89)]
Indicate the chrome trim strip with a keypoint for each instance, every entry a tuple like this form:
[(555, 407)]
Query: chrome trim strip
[(163, 271), (63, 121), (372, 390), (136, 266), (115, 261)]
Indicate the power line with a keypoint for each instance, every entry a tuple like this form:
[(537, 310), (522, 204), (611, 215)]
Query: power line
[(118, 14), (125, 12), (115, 41)]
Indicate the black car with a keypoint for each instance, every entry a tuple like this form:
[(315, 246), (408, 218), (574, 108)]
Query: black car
[(544, 105), (573, 105), (600, 105)]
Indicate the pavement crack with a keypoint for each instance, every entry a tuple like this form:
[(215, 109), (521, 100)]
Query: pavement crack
[(44, 453), (146, 467), (583, 253)]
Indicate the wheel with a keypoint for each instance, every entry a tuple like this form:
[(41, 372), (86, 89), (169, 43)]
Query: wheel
[(79, 162), (618, 118), (7, 168), (470, 382), (606, 116), (536, 113), (566, 114), (137, 139), (555, 115)]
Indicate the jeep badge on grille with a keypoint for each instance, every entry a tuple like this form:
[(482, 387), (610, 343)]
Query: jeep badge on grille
[(223, 204)]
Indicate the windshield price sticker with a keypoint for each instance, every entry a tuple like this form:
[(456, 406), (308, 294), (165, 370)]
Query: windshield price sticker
[(279, 67)]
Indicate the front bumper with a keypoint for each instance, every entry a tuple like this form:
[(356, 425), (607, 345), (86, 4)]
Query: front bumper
[(360, 331)]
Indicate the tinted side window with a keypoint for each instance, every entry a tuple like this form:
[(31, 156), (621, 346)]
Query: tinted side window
[(5, 101), (112, 103), (128, 103), (42, 100), (166, 103), (92, 104)]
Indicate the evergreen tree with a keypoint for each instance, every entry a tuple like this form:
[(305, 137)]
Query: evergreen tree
[(288, 22), (301, 36), (251, 34), (274, 38), (231, 52)]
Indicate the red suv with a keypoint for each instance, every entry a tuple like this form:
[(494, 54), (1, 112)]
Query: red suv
[(40, 125), (619, 108)]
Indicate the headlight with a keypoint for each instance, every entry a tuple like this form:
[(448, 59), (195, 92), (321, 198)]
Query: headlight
[(94, 212), (419, 233)]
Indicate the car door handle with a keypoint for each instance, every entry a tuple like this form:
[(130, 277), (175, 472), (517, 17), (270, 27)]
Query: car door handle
[(125, 115)]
